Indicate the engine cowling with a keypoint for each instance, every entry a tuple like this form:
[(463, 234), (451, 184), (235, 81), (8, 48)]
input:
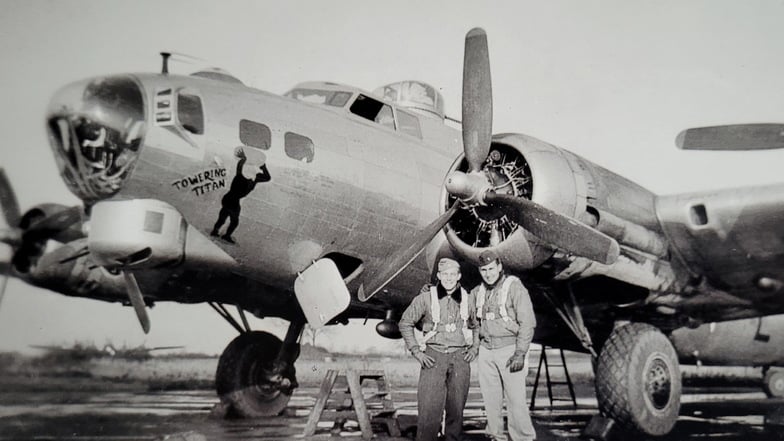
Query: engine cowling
[(524, 166), (138, 233)]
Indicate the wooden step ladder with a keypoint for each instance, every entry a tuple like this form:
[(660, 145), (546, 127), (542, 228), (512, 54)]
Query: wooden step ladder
[(550, 382), (347, 402)]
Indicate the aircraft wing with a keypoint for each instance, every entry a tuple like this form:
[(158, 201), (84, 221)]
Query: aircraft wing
[(732, 240)]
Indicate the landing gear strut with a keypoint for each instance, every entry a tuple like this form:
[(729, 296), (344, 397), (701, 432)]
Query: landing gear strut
[(638, 380), (256, 375)]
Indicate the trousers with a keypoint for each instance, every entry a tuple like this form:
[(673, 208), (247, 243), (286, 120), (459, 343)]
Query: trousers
[(442, 388), (496, 383)]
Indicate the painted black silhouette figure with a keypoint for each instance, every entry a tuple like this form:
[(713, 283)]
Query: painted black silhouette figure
[(239, 188)]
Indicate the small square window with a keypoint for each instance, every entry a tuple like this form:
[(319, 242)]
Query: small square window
[(299, 147), (153, 222), (255, 134), (699, 216), (190, 113)]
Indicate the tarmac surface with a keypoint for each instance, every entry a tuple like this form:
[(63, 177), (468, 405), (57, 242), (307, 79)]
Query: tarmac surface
[(738, 414)]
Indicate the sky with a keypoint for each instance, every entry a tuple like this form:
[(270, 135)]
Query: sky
[(613, 81)]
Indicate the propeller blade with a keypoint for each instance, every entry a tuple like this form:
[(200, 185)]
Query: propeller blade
[(404, 256), (561, 231), (733, 137), (6, 254), (8, 201), (3, 284), (54, 224), (477, 99), (137, 300)]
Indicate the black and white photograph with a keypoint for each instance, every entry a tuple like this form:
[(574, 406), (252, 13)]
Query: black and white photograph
[(444, 220)]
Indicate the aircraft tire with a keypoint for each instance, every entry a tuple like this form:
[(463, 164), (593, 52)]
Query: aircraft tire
[(773, 383), (240, 377), (638, 380)]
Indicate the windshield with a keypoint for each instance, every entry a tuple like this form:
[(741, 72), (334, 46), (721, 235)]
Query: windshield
[(333, 98)]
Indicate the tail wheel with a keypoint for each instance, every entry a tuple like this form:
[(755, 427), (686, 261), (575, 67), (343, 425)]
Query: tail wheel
[(246, 377), (773, 383), (638, 381)]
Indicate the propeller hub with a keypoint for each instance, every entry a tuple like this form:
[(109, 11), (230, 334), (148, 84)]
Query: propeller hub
[(470, 188)]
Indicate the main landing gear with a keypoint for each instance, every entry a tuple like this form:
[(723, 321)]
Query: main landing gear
[(638, 380), (256, 374), (773, 382)]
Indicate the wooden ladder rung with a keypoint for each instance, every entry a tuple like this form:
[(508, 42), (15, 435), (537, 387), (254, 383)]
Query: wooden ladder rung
[(353, 404)]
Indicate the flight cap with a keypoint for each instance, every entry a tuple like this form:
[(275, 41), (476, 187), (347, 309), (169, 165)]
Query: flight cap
[(446, 263), (487, 257)]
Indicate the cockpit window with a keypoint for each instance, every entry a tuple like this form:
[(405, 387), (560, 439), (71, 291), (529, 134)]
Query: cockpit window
[(385, 117), (373, 110), (317, 96), (409, 124), (190, 113)]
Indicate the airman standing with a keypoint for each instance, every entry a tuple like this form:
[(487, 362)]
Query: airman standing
[(507, 325), (445, 353)]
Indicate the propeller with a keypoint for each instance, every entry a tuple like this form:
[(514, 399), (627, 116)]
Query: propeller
[(132, 288), (477, 131), (33, 237), (10, 205), (137, 300), (556, 229), (474, 187), (8, 235), (477, 100), (27, 236), (404, 256), (732, 137)]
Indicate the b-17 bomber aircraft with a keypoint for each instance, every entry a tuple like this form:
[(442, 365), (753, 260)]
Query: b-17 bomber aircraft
[(316, 206)]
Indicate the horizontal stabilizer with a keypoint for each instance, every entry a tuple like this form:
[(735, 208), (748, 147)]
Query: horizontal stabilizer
[(733, 137)]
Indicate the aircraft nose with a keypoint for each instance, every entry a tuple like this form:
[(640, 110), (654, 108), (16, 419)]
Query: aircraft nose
[(96, 129)]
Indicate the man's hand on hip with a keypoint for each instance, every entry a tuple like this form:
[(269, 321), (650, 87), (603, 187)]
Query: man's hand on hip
[(470, 354), (425, 360)]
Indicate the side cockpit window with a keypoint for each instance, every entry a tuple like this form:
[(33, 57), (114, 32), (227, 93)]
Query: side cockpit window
[(190, 113), (409, 124), (373, 110)]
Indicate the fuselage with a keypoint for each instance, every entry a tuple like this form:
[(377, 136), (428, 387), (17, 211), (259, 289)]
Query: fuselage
[(344, 182), (350, 175)]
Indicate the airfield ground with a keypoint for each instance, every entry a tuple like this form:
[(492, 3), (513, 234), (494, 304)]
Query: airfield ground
[(48, 399)]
